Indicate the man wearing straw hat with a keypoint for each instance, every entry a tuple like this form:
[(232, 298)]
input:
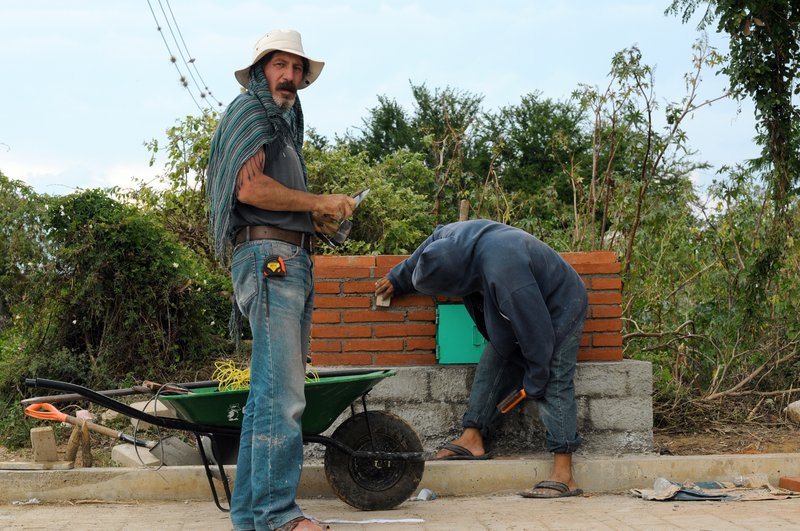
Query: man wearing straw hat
[(259, 206)]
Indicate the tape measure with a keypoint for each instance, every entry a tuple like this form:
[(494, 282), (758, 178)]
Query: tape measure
[(274, 267)]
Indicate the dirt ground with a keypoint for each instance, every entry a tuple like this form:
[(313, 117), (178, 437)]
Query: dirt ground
[(744, 439)]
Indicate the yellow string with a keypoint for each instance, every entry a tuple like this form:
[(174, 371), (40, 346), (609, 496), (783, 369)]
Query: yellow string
[(311, 373), (232, 378)]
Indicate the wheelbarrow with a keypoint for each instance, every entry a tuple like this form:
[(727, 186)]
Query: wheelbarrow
[(373, 460)]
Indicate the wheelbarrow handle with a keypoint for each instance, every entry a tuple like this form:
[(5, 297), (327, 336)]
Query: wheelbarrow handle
[(135, 390), (119, 407)]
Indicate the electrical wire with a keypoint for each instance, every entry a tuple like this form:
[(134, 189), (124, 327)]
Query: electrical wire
[(173, 59), (192, 60)]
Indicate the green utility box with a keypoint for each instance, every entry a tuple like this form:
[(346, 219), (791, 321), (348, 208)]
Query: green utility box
[(457, 338)]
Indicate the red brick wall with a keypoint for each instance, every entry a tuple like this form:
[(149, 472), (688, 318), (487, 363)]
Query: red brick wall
[(348, 329)]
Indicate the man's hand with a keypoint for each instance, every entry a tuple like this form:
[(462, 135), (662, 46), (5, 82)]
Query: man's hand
[(384, 288), (324, 224), (336, 206)]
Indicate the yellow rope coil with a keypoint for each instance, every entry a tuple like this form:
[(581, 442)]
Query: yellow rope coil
[(232, 378)]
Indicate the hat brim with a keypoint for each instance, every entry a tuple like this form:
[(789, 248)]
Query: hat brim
[(314, 69)]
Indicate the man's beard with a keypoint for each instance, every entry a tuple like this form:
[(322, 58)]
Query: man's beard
[(282, 101)]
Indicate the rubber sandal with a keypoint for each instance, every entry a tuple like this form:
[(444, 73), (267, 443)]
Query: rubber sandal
[(562, 490), (461, 454)]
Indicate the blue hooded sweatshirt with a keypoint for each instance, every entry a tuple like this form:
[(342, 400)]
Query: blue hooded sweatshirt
[(523, 296)]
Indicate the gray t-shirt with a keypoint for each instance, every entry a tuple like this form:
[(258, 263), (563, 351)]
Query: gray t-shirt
[(285, 169)]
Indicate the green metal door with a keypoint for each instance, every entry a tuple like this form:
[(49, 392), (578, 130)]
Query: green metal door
[(457, 338)]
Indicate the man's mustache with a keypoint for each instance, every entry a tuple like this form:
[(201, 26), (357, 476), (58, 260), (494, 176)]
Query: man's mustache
[(287, 85)]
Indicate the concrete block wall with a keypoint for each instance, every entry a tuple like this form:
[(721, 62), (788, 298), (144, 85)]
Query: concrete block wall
[(348, 329), (614, 395), (615, 409)]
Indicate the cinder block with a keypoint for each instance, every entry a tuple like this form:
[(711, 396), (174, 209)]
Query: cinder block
[(126, 455), (408, 384), (451, 384), (601, 379), (640, 378), (151, 407), (44, 444), (617, 443), (607, 379), (789, 483), (430, 419), (621, 414), (172, 451)]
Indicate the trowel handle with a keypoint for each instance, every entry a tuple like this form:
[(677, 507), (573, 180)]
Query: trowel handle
[(511, 400)]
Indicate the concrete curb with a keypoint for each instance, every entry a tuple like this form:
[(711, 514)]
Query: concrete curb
[(445, 478)]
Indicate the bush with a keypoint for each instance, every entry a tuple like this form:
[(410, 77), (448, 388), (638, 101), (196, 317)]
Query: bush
[(118, 300)]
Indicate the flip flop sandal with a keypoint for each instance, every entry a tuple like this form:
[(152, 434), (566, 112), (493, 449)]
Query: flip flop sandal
[(562, 490), (291, 524), (461, 454)]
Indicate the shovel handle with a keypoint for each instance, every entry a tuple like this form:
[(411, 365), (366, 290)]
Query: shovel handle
[(52, 413), (45, 412)]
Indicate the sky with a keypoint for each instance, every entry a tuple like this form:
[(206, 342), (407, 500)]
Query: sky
[(85, 83)]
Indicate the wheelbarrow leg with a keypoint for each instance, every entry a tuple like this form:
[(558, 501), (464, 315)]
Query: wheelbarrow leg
[(209, 474), (366, 418)]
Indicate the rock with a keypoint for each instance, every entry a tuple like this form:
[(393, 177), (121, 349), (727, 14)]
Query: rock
[(792, 412)]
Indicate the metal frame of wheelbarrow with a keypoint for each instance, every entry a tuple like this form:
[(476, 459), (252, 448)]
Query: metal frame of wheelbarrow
[(212, 432)]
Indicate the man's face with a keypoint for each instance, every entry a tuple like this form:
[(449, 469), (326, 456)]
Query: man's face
[(284, 72)]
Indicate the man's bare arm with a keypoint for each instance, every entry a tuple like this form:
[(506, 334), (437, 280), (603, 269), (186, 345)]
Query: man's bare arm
[(255, 188)]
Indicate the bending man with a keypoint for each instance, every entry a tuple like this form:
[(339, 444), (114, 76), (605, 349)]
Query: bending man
[(530, 305)]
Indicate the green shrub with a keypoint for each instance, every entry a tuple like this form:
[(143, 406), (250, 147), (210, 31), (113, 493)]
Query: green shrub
[(118, 300)]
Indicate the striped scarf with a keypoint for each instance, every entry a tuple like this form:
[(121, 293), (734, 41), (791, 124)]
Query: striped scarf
[(252, 120)]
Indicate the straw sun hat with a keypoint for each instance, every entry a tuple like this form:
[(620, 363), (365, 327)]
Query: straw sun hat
[(283, 41)]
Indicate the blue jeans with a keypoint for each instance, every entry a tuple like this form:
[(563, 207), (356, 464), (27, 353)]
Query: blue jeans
[(496, 377), (271, 443)]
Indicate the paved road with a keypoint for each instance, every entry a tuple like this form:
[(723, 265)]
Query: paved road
[(506, 512)]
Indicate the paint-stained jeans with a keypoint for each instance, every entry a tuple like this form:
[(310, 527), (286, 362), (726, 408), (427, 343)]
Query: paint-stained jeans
[(271, 444), (497, 377)]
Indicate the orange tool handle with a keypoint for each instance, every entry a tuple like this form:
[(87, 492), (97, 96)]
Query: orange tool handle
[(50, 413), (511, 400)]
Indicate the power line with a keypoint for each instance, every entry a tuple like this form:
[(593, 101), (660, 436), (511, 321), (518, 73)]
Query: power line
[(191, 59), (174, 60)]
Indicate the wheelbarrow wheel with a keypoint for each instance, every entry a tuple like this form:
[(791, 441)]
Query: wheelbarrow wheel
[(372, 484)]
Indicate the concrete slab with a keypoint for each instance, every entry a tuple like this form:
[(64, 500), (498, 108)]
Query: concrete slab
[(445, 478), (483, 513)]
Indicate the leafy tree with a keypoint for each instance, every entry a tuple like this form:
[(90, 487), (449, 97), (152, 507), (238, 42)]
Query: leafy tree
[(531, 143), (394, 218), (533, 139), (178, 198), (441, 127), (386, 129), (764, 64)]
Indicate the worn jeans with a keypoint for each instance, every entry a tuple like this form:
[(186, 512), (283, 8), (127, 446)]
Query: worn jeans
[(496, 377), (271, 444)]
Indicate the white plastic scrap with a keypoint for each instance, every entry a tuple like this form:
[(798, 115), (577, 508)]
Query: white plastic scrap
[(32, 501)]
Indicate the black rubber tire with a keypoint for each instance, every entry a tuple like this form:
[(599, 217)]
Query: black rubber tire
[(368, 484)]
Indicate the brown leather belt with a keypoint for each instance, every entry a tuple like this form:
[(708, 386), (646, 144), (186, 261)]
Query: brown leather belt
[(265, 232)]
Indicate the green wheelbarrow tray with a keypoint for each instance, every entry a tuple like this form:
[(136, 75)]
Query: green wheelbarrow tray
[(326, 399)]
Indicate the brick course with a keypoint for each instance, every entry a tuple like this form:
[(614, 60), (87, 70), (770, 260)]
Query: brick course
[(348, 329)]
